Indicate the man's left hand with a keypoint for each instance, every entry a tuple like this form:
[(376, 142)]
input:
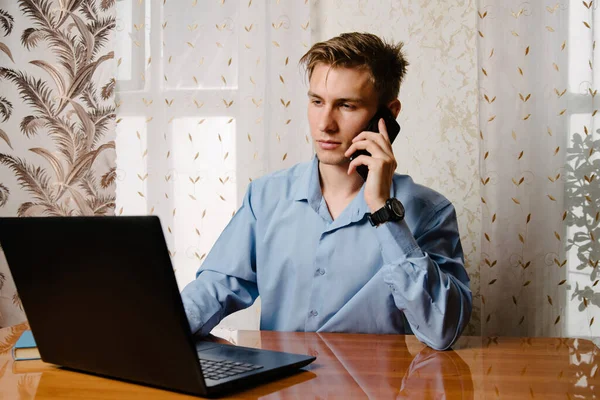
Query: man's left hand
[(381, 164)]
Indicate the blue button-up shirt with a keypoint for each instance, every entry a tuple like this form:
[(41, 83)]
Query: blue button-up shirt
[(314, 273)]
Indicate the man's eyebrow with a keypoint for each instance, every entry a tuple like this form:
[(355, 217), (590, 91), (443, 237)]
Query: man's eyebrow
[(342, 100), (351, 100)]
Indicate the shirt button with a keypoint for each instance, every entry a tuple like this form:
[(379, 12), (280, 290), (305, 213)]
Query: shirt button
[(320, 271), (314, 313)]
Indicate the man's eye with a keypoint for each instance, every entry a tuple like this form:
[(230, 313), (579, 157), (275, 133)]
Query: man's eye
[(316, 102), (348, 106)]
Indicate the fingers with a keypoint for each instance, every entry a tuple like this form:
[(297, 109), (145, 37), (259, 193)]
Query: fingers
[(372, 147), (377, 144), (383, 130), (381, 139), (370, 162), (373, 164)]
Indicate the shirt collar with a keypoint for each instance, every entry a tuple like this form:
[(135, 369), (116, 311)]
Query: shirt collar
[(309, 188)]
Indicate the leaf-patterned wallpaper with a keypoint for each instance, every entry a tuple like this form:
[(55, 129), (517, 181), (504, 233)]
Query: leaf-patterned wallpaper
[(56, 115)]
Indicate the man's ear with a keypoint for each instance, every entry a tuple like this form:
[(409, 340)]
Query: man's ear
[(395, 107)]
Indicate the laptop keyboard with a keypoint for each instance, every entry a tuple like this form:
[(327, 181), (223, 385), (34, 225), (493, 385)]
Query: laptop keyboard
[(216, 370)]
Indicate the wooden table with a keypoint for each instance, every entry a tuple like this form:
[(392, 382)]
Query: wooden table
[(357, 366)]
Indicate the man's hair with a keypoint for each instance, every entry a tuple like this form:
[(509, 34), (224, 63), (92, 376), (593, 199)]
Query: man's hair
[(385, 61)]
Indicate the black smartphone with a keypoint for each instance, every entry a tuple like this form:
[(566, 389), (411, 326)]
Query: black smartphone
[(392, 128)]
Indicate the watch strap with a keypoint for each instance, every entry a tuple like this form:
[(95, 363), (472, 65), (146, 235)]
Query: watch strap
[(380, 216), (385, 214)]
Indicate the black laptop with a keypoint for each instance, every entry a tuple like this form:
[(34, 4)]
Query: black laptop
[(101, 297)]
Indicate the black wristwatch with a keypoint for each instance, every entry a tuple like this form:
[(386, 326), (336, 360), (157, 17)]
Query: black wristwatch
[(393, 210)]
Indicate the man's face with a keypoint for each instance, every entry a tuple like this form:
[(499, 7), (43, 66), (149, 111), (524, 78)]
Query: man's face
[(341, 103)]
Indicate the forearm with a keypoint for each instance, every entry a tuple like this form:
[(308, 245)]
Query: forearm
[(212, 296), (436, 303)]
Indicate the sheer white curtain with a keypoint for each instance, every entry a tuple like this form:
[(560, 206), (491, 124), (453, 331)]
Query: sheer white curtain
[(539, 168), (209, 96)]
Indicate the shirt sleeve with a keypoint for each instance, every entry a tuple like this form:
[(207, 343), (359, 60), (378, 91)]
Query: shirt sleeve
[(226, 282), (427, 278)]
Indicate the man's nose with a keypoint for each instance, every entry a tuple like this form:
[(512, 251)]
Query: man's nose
[(327, 122)]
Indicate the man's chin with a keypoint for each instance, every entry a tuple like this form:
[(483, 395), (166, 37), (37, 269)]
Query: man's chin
[(328, 158)]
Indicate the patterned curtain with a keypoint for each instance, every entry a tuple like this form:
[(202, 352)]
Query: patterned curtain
[(56, 115), (539, 165), (209, 97)]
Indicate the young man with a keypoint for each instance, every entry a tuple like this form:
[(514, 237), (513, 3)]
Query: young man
[(328, 251)]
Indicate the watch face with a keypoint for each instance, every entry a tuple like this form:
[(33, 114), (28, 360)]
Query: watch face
[(397, 207)]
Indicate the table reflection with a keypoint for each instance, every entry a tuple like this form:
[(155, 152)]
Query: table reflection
[(357, 366), (382, 367)]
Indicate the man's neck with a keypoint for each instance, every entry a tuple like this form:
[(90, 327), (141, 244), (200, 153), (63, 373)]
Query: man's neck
[(336, 183)]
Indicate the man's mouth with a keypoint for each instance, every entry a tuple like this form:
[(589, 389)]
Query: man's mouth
[(328, 144)]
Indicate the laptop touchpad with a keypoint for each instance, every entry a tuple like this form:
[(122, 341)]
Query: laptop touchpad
[(203, 345)]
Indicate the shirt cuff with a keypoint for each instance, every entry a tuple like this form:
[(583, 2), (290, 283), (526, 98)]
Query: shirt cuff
[(201, 307), (397, 242)]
